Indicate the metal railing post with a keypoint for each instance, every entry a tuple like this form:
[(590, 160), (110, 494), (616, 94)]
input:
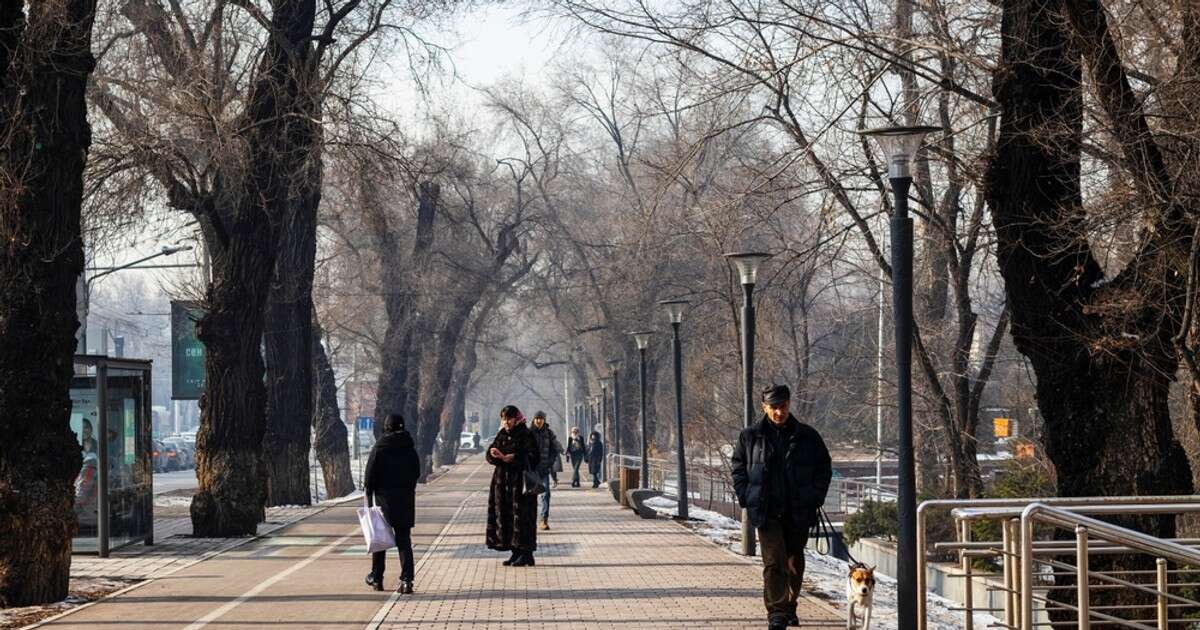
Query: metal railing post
[(964, 536), (1010, 594), (1024, 571), (1082, 590), (921, 567), (1161, 566)]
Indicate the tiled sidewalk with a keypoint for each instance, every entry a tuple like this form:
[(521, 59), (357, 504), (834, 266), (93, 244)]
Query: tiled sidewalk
[(599, 567)]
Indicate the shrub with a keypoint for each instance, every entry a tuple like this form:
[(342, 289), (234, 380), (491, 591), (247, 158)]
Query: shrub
[(874, 519), (1015, 480)]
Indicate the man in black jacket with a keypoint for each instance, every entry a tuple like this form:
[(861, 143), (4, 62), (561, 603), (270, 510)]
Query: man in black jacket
[(393, 469), (781, 472)]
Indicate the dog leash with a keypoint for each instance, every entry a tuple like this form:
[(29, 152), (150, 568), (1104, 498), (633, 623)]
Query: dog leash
[(823, 529)]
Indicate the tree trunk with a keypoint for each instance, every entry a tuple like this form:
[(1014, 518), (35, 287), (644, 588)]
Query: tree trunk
[(241, 229), (45, 61), (436, 384), (1102, 387), (398, 372), (289, 351), (329, 431)]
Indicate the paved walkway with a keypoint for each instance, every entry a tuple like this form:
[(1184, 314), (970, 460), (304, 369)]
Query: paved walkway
[(599, 567)]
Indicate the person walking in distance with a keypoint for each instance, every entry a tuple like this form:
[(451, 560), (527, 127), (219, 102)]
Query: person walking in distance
[(393, 469), (781, 473), (576, 450), (595, 456), (512, 511), (549, 450)]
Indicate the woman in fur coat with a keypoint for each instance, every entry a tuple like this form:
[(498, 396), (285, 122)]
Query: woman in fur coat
[(512, 513)]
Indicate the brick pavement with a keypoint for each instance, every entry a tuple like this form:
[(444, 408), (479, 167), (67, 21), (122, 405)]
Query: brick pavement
[(600, 566)]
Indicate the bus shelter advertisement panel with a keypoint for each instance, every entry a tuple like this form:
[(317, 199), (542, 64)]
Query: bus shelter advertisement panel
[(187, 353)]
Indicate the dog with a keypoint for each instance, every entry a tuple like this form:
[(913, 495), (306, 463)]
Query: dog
[(860, 592)]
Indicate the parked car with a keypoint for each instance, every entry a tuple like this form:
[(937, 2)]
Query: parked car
[(468, 441), (158, 456), (172, 457), (187, 453)]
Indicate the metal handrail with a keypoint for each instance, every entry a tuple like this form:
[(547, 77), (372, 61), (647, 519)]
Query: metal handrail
[(1084, 527), (926, 507)]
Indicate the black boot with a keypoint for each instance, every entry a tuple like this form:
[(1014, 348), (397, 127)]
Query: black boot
[(516, 555), (526, 560), (374, 583)]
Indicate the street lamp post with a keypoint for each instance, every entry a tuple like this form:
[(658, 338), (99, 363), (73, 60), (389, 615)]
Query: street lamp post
[(675, 309), (643, 341), (747, 264), (900, 144), (604, 427), (167, 250), (615, 365)]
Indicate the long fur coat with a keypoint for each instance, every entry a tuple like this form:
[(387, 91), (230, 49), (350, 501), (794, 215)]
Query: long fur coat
[(512, 515)]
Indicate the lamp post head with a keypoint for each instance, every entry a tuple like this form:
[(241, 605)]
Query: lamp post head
[(747, 264), (615, 364), (167, 250), (675, 309), (642, 337), (900, 146)]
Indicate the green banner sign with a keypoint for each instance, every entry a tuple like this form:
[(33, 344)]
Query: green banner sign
[(187, 353)]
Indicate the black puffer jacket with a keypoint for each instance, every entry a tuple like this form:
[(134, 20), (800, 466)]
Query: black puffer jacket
[(549, 447), (809, 471), (393, 469)]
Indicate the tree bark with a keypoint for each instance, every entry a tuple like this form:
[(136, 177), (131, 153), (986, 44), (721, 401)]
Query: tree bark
[(328, 429), (241, 228), (45, 62), (1103, 372), (288, 344), (398, 373)]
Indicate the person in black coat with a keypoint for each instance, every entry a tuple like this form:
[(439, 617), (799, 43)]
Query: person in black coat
[(595, 457), (781, 473), (393, 469), (512, 513), (576, 450)]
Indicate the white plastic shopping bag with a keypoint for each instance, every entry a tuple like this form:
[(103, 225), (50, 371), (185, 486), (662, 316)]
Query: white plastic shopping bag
[(376, 529)]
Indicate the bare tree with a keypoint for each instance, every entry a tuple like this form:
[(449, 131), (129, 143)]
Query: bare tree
[(45, 62)]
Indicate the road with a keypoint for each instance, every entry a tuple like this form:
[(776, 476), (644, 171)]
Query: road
[(178, 480)]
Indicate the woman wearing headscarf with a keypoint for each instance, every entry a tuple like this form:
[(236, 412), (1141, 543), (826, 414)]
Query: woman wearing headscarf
[(512, 511)]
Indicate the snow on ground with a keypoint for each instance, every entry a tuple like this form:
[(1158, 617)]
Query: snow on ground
[(81, 591), (825, 576), (172, 501)]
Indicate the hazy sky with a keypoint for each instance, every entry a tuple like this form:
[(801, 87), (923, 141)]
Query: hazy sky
[(485, 45)]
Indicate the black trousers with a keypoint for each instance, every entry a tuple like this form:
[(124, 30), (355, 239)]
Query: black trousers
[(404, 546), (575, 465), (782, 545)]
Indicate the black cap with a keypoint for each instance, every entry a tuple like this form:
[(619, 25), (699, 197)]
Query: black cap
[(776, 394), (539, 414), (395, 422)]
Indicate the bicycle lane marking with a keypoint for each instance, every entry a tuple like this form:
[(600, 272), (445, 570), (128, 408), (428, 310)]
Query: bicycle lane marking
[(271, 581)]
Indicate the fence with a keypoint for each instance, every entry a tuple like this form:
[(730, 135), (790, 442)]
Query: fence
[(710, 486), (1046, 580)]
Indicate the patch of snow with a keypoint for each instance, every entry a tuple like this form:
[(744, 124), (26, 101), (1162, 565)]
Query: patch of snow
[(81, 591), (825, 576), (357, 494), (169, 501)]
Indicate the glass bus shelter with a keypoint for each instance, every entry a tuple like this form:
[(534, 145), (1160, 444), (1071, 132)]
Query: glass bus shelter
[(114, 491)]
